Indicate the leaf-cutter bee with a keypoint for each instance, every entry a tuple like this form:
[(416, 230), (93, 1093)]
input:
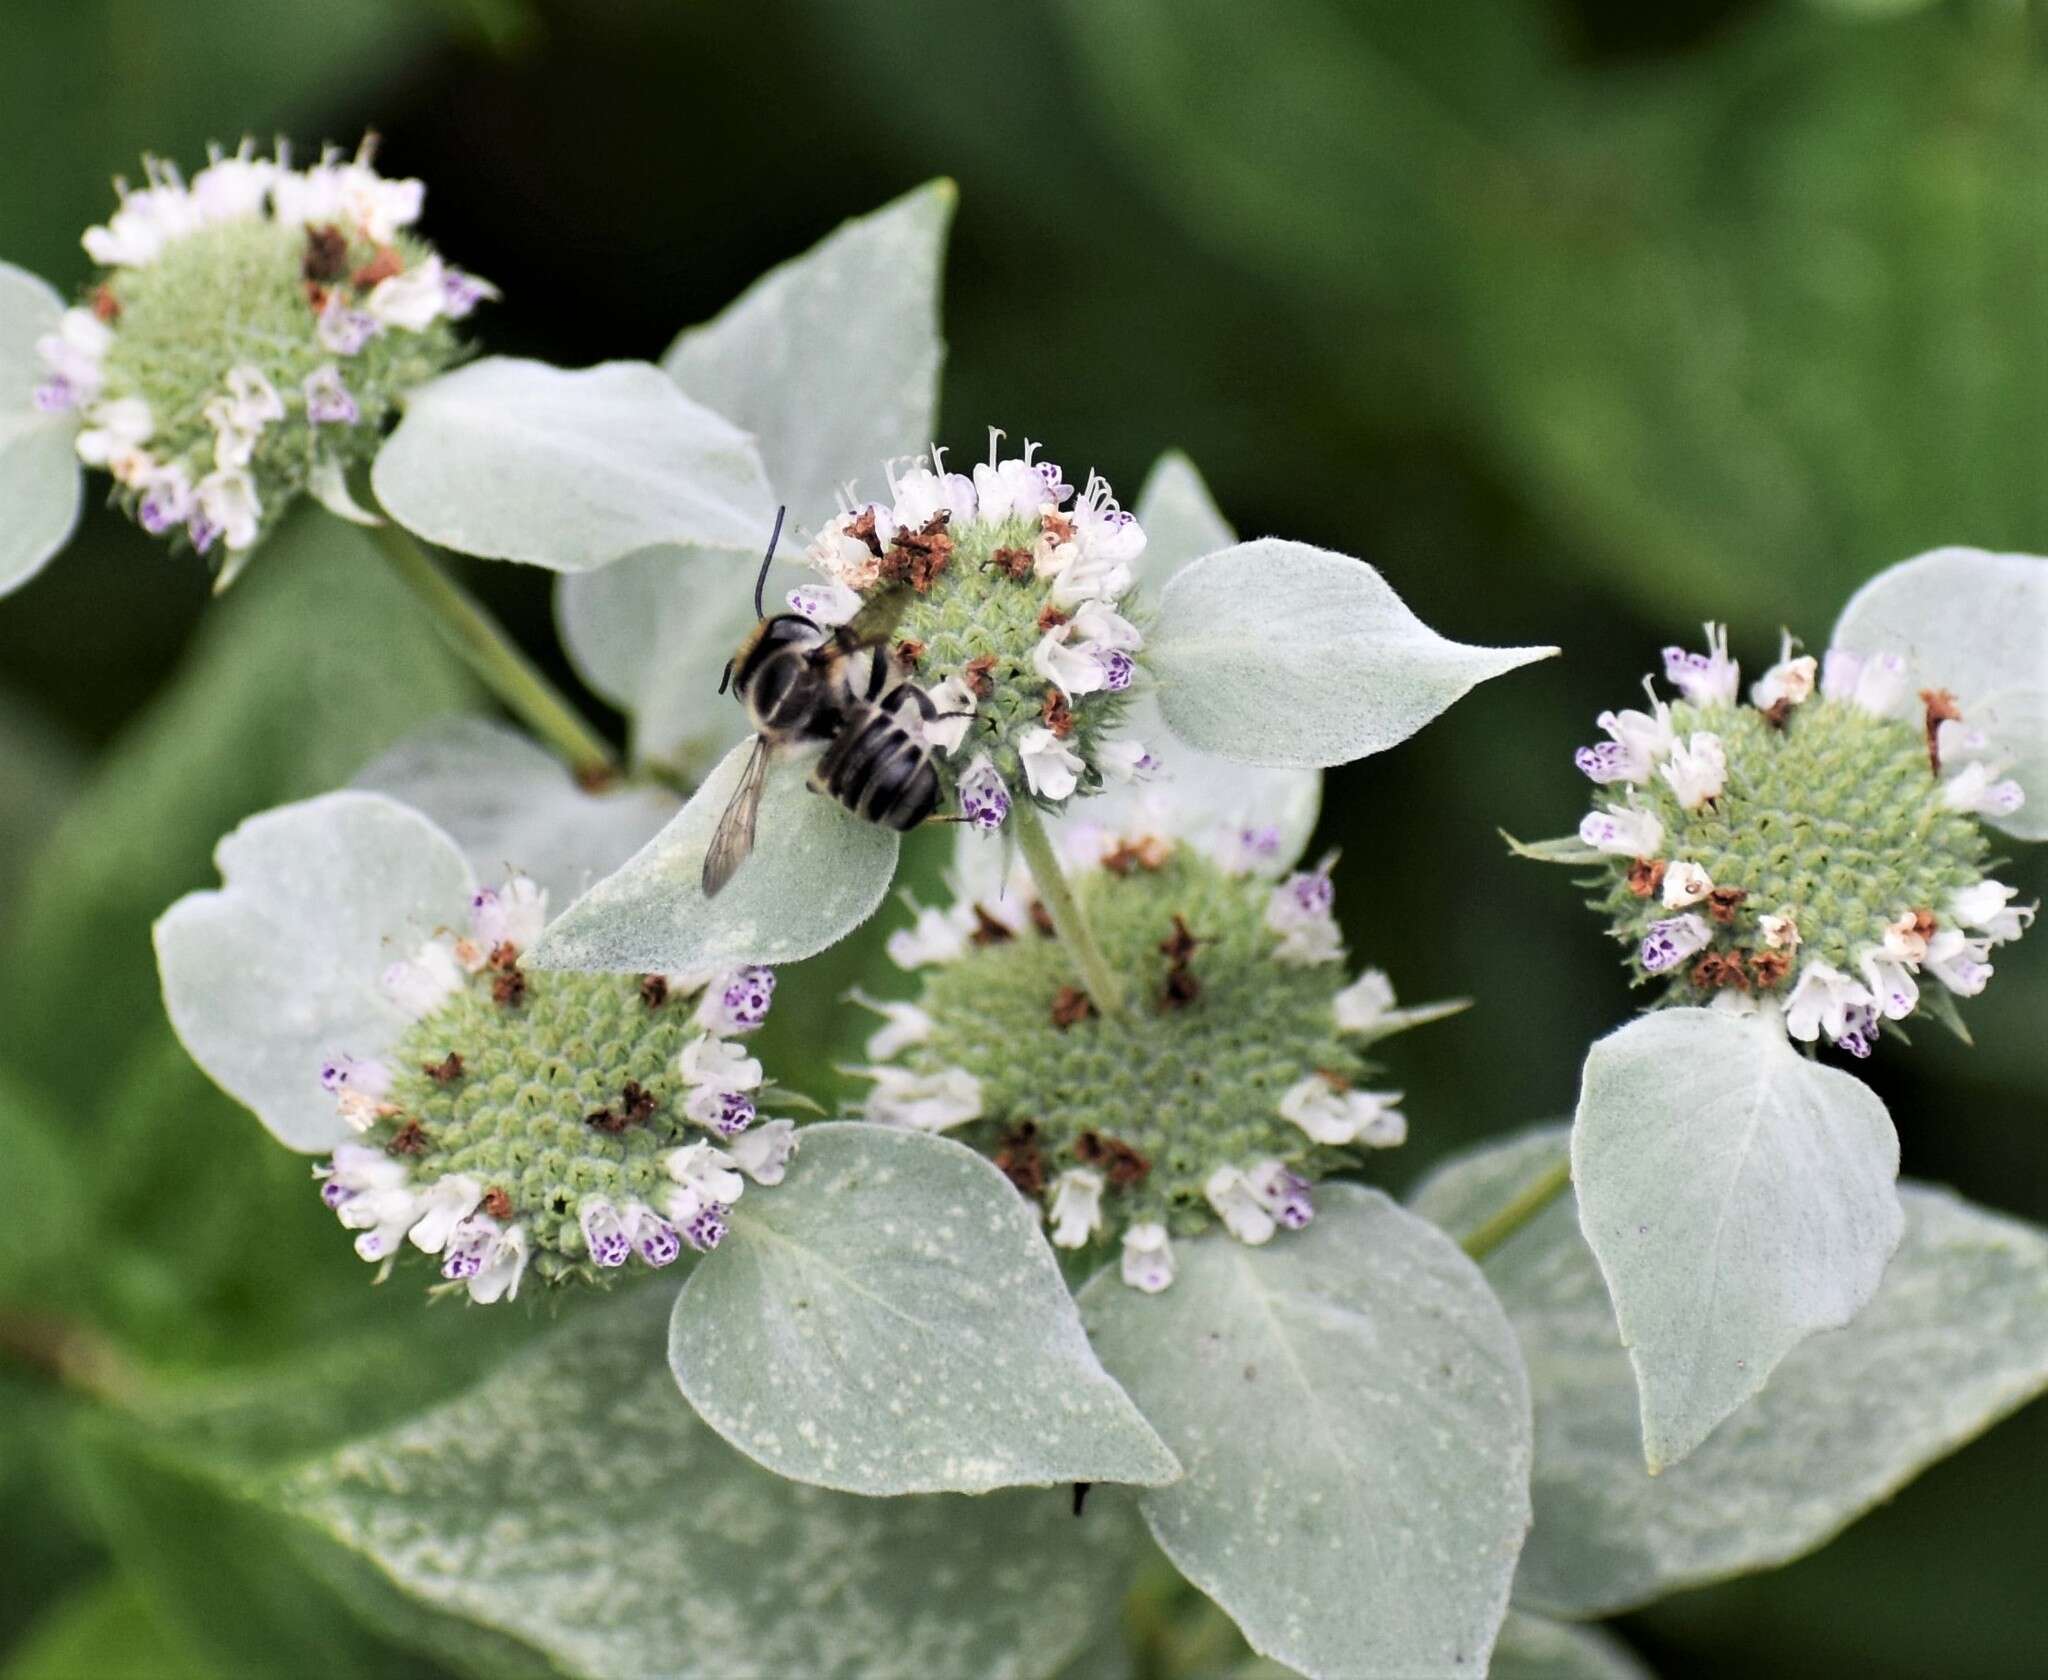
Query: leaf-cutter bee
[(802, 683)]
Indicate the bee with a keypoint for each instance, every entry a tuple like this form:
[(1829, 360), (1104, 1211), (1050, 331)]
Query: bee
[(801, 684)]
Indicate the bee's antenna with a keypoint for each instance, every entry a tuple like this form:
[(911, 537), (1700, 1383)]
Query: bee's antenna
[(767, 560)]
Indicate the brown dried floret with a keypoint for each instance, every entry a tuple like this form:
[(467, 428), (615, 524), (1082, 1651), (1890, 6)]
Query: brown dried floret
[(446, 1071), (636, 1103), (1723, 902), (918, 557), (1646, 876), (909, 651), (409, 1139), (496, 1203), (1718, 969), (1041, 919), (979, 675), (1769, 968), (1013, 563), (383, 266), (654, 990), (509, 988), (326, 254), (1019, 1160), (1941, 708), (989, 931), (1056, 715), (1071, 1005), (1121, 1164), (1050, 617)]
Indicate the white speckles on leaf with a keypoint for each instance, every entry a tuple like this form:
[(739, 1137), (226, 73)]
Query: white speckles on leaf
[(898, 1362)]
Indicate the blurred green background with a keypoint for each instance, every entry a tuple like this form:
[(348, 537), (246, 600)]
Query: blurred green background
[(1584, 321)]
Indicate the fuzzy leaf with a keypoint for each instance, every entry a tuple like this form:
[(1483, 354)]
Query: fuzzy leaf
[(1353, 1415), (40, 482), (816, 874), (1975, 624), (1568, 848), (569, 469), (890, 1320), (1180, 519), (572, 1501), (279, 967), (1274, 652), (1739, 1197), (832, 360), (651, 635), (1847, 1419), (1535, 1648), (513, 807)]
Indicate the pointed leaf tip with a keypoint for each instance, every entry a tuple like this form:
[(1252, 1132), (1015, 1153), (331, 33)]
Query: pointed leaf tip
[(1277, 653)]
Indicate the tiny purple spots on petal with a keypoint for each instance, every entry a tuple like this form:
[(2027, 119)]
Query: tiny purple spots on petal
[(1117, 670), (735, 1113), (332, 1195), (56, 394), (202, 531), (660, 1242), (706, 1229)]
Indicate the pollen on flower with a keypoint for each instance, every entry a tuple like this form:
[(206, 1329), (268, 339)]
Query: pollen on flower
[(1816, 852), (1119, 1126), (591, 1127), (1014, 593), (249, 336)]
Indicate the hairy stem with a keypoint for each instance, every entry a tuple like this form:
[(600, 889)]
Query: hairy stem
[(1068, 919), (484, 647), (1524, 1205)]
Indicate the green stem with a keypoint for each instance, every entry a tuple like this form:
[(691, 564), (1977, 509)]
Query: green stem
[(485, 648), (1524, 1205), (1068, 919)]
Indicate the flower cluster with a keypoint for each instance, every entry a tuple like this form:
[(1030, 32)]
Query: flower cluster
[(1235, 1082), (1005, 604), (1818, 847), (250, 333), (571, 1121)]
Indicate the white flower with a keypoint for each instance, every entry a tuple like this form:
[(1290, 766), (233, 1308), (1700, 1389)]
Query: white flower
[(764, 1152), (1697, 769), (738, 1000), (1893, 989), (1080, 574), (421, 983), (1240, 849), (1011, 489), (1987, 906), (1623, 832), (718, 1065), (1147, 1256), (925, 1102), (147, 221), (328, 400), (984, 796), (410, 301), (1671, 941), (605, 1235), (444, 1205), (1100, 623), (921, 495), (706, 1172), (1903, 940), (1822, 1002), (1640, 739), (1103, 528), (937, 936), (167, 499), (1300, 909), (1240, 1207), (1790, 680), (1282, 1191), (1361, 1006), (904, 1025), (74, 355), (1876, 685), (1076, 1207), (1781, 933), (1051, 768), (490, 1258), (1972, 789), (1071, 670), (232, 189), (344, 330), (1706, 679), (1125, 761), (1685, 883), (848, 560), (955, 703), (381, 1214), (511, 914), (1337, 1117), (117, 429), (827, 604), (1960, 963), (653, 1238)]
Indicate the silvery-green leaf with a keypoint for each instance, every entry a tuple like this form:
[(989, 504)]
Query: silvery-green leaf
[(1274, 652), (1976, 624), (1739, 1197), (328, 485), (278, 968), (569, 469), (572, 1501), (1195, 794), (514, 808), (832, 360), (817, 872), (1955, 1338), (1352, 1413), (652, 634), (1180, 520), (1407, 1020), (40, 482), (890, 1320), (1535, 1648)]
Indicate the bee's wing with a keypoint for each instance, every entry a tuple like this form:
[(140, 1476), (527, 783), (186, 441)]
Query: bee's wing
[(877, 619), (733, 839)]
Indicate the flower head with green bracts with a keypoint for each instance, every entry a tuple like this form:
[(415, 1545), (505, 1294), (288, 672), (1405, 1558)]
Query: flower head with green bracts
[(1818, 847), (250, 336), (499, 1121), (1233, 1081)]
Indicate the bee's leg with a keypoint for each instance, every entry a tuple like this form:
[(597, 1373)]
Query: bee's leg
[(878, 675)]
